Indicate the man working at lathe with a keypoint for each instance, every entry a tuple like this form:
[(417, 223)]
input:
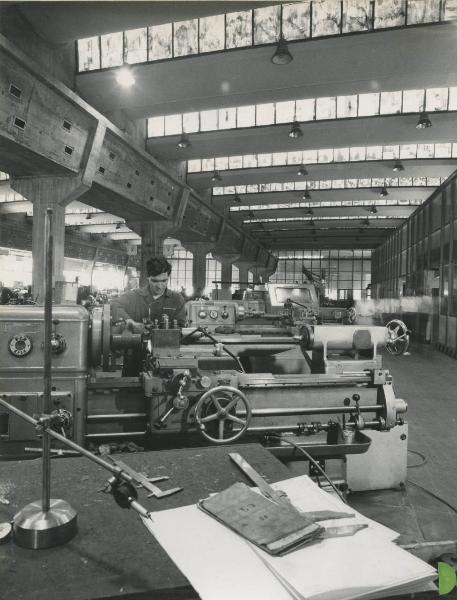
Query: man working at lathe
[(149, 302)]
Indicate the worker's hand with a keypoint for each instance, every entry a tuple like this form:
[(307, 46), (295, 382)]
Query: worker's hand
[(134, 326)]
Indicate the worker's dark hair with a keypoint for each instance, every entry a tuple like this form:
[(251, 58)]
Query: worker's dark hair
[(157, 265)]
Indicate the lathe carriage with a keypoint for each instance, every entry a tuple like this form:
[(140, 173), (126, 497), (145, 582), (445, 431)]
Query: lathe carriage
[(322, 386)]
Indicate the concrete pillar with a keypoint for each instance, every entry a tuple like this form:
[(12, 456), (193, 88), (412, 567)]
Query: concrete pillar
[(244, 268), (55, 193), (262, 275), (199, 251), (153, 235)]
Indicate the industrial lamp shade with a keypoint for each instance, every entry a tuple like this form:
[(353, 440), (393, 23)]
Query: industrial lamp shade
[(373, 210), (398, 166), (237, 199), (216, 176), (184, 142), (424, 121), (295, 131), (383, 193), (306, 195), (302, 172), (282, 56)]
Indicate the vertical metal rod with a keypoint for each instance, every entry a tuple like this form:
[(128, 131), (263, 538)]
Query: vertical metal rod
[(47, 375)]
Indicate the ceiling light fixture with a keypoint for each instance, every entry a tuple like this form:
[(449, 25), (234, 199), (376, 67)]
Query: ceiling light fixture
[(424, 121), (216, 176), (125, 78), (118, 226), (310, 211), (383, 193), (184, 142), (295, 131), (373, 210), (281, 55), (236, 198), (398, 166), (88, 216), (306, 195), (302, 172)]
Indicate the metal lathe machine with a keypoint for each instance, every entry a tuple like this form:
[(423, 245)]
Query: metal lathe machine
[(321, 386)]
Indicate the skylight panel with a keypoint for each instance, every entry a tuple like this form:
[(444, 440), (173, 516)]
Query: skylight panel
[(338, 184), (389, 13), (369, 104), (173, 124), (294, 158), (238, 29), (436, 99), (326, 18), (279, 158), (374, 153), (160, 42), (454, 150), (419, 181), (253, 188), (191, 122), (413, 100), (235, 162), (112, 48), (208, 164), (390, 103), (208, 120), (326, 108), (357, 153), (222, 163), (450, 10), (443, 150), (245, 116), (194, 166), (341, 154), (305, 109), (156, 126), (357, 15), (390, 152), (420, 11), (136, 45), (310, 156), (88, 54), (266, 24), (227, 118), (346, 106), (452, 98), (285, 112), (185, 38), (325, 155), (408, 151), (265, 114), (212, 33), (264, 160), (296, 20)]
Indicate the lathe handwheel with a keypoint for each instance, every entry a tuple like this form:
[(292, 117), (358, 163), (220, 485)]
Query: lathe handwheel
[(218, 407), (397, 337), (351, 315)]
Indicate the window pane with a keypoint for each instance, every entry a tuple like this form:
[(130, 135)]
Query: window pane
[(245, 116), (389, 13), (264, 160), (222, 163), (295, 20), (450, 10), (325, 155), (186, 37), (208, 164), (368, 104), (235, 162), (194, 166), (135, 45), (266, 24), (112, 50), (239, 29), (374, 153), (212, 33), (265, 114), (436, 99), (191, 122), (389, 152), (425, 150), (357, 153), (341, 154), (326, 19), (423, 11), (305, 109), (160, 41), (326, 108), (280, 158), (88, 54), (356, 15)]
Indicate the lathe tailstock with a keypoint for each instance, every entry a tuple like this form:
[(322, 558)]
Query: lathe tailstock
[(324, 387)]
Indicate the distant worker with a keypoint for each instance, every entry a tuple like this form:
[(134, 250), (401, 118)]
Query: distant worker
[(148, 303)]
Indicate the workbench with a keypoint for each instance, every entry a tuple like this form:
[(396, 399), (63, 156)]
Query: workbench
[(113, 555)]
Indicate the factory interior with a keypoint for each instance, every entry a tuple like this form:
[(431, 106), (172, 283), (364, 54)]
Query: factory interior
[(228, 300)]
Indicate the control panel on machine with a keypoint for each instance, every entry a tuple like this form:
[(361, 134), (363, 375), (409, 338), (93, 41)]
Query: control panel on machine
[(213, 314)]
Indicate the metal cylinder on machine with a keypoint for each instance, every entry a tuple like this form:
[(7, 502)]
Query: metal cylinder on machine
[(337, 337)]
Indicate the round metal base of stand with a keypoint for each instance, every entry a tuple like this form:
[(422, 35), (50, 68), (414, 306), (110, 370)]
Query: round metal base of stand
[(33, 528)]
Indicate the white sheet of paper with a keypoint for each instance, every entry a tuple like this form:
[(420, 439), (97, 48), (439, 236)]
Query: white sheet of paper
[(221, 565)]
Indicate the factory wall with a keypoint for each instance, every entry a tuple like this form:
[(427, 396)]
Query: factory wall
[(414, 273)]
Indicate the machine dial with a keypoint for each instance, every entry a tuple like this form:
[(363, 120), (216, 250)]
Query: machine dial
[(213, 314), (20, 345), (202, 314)]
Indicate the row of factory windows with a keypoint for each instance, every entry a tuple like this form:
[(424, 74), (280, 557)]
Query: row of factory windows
[(326, 155), (345, 274), (421, 257), (295, 21), (305, 110)]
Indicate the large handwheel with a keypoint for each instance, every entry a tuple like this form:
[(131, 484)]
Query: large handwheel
[(397, 337), (215, 414), (351, 315)]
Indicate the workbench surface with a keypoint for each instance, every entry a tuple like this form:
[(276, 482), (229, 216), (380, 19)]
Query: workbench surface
[(113, 555)]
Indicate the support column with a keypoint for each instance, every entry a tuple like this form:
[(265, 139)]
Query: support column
[(153, 235), (199, 251), (226, 261), (55, 193), (244, 268), (262, 275)]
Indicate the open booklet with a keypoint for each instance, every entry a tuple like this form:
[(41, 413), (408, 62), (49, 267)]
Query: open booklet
[(222, 565)]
